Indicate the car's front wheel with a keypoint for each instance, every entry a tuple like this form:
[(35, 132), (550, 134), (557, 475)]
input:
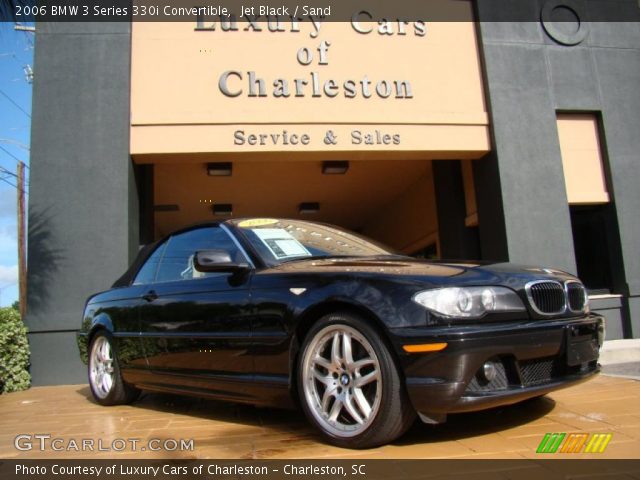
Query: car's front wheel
[(105, 380), (349, 385)]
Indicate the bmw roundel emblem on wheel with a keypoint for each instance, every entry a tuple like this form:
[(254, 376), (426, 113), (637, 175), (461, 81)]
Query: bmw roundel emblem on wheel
[(295, 314), (346, 388), (341, 380)]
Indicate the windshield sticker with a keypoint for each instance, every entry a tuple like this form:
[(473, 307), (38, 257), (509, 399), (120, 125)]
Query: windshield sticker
[(280, 243), (257, 222)]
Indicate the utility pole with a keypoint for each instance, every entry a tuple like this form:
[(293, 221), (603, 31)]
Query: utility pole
[(22, 258)]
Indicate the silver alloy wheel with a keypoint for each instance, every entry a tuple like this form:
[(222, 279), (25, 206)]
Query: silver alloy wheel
[(101, 371), (341, 380)]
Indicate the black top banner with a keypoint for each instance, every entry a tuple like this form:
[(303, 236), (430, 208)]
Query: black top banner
[(378, 11)]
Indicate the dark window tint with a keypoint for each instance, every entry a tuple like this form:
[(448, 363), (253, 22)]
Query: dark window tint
[(430, 252), (177, 261), (148, 271), (594, 244)]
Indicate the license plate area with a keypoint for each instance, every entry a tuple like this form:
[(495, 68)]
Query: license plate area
[(582, 343)]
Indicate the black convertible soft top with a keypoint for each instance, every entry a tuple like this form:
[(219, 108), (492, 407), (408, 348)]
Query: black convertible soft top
[(128, 276), (146, 251)]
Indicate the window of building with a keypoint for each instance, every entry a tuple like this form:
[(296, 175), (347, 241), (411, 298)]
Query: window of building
[(582, 163), (593, 247), (596, 236)]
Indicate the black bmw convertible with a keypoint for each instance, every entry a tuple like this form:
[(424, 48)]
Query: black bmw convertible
[(288, 312)]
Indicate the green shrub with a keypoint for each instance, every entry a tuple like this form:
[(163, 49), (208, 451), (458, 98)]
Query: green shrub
[(14, 352), (82, 341)]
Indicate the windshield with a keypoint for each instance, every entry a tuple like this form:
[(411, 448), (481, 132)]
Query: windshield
[(279, 241)]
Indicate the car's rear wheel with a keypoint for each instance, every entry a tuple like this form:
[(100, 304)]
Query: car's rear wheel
[(349, 384), (105, 380)]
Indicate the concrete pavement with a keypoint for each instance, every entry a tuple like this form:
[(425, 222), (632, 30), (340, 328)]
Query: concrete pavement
[(621, 358), (227, 431)]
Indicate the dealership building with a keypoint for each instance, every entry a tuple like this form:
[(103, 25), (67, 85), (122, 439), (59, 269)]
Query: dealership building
[(505, 141)]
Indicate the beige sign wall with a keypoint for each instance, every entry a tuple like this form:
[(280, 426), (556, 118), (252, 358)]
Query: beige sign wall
[(413, 86)]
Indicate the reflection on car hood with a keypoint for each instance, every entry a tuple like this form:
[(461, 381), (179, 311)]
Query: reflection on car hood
[(392, 265), (397, 265)]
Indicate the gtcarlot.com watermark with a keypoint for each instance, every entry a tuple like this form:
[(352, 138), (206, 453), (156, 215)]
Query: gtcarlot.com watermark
[(46, 442)]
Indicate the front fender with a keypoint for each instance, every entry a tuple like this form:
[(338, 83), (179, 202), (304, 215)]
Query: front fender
[(388, 302)]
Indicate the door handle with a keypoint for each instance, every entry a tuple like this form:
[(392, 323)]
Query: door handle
[(150, 296)]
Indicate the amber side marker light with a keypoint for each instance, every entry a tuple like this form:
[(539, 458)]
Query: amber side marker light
[(425, 347)]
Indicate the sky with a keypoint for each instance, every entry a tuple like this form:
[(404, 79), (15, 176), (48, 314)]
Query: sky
[(16, 52)]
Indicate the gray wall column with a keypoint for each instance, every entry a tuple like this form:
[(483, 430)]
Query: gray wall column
[(531, 73), (492, 228), (457, 241), (83, 212), (537, 224), (618, 70)]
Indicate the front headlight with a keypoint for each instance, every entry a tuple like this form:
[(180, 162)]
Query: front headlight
[(469, 302)]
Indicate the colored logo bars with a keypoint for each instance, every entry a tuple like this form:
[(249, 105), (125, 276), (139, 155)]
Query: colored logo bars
[(574, 443)]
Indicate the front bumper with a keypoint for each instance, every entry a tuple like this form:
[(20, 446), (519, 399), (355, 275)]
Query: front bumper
[(531, 358)]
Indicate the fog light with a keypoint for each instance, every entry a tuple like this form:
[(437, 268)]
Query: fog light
[(489, 371), (602, 332)]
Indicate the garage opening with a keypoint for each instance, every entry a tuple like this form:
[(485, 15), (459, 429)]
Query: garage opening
[(392, 201)]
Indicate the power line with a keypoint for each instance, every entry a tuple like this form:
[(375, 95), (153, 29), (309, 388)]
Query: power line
[(7, 172), (16, 105), (4, 179), (8, 182), (14, 142), (11, 141), (9, 153), (12, 155)]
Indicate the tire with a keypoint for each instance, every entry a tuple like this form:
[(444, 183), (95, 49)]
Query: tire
[(105, 379), (349, 385)]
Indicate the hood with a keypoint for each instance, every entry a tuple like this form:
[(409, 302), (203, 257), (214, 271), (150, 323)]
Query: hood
[(481, 273), (387, 265)]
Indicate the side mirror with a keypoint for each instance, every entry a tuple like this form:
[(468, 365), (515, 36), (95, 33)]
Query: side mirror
[(216, 261)]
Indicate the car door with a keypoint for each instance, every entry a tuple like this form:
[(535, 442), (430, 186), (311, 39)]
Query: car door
[(196, 327)]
